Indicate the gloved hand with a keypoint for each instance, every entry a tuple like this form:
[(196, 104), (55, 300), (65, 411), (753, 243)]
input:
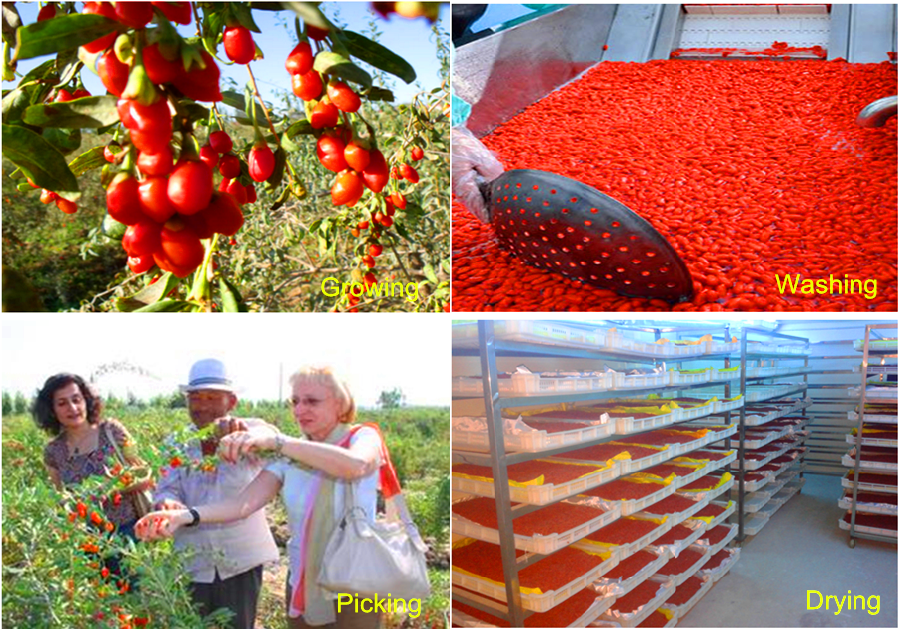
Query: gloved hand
[(472, 163)]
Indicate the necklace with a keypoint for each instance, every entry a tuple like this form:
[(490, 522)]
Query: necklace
[(77, 446)]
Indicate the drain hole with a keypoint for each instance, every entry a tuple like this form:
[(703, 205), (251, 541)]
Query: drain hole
[(546, 203), (588, 223), (552, 191), (515, 197), (651, 285), (553, 251), (564, 210), (517, 185), (606, 235), (645, 273), (553, 221), (596, 262), (574, 199), (664, 269), (536, 214), (605, 254), (607, 276), (560, 235), (570, 230), (521, 211), (650, 254), (636, 261), (627, 282), (622, 249), (571, 264), (593, 210), (671, 285), (616, 224), (528, 199), (536, 187), (633, 236), (620, 270), (507, 186), (566, 249), (524, 222), (579, 247)]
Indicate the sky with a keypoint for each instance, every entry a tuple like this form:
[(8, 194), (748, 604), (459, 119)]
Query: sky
[(410, 39), (370, 352)]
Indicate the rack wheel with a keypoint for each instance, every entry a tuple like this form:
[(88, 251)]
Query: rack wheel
[(851, 542)]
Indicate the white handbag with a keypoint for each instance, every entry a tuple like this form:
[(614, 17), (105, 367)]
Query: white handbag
[(385, 557)]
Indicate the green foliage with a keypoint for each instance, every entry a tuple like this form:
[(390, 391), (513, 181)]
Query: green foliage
[(392, 399)]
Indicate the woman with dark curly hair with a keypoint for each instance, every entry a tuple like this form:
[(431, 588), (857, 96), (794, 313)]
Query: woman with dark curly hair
[(68, 408)]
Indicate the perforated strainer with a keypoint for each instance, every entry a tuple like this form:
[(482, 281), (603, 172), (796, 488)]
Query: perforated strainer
[(557, 223)]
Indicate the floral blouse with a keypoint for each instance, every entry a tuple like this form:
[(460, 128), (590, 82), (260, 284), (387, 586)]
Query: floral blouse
[(75, 468)]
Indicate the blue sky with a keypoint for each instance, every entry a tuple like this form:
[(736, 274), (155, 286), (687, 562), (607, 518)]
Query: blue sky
[(411, 39)]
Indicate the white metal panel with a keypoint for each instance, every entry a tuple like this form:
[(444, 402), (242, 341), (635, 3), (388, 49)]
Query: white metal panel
[(754, 32)]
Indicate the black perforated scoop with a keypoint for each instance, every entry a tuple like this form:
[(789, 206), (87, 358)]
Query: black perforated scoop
[(557, 223)]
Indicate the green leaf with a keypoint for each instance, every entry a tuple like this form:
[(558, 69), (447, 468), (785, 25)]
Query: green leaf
[(44, 71), (301, 127), (310, 13), (14, 105), (429, 273), (64, 32), (88, 160), (402, 231), (66, 140), (167, 305), (447, 267), (244, 15), (234, 99), (40, 161), (11, 21), (149, 295), (315, 225), (278, 173), (381, 94), (340, 66), (231, 299), (82, 113), (413, 210), (378, 56)]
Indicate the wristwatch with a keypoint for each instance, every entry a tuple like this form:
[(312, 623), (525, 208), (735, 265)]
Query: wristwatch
[(195, 515), (279, 443)]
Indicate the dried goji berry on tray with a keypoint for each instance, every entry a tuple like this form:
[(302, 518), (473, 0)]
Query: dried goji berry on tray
[(655, 619), (552, 473), (676, 534), (550, 573), (632, 565), (623, 531), (715, 535), (637, 597), (622, 489), (685, 591), (675, 503), (682, 563), (709, 511), (717, 559), (555, 518), (562, 615), (874, 521)]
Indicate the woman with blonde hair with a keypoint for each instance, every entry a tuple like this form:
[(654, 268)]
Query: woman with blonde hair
[(312, 474)]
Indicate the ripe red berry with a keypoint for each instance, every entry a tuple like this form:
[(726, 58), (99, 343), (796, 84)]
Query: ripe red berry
[(140, 264), (307, 86), (330, 151), (375, 250), (239, 45), (48, 196), (190, 187), (368, 261), (47, 12), (386, 221), (399, 200), (357, 157), (221, 142), (160, 69), (236, 190), (324, 115), (300, 59), (409, 173), (64, 95), (347, 189), (417, 153), (369, 279), (134, 14), (80, 93), (178, 12), (154, 199), (201, 83), (229, 166), (344, 98), (363, 225), (316, 33), (142, 238), (223, 216), (251, 193), (122, 199), (109, 156), (156, 163), (376, 173), (262, 162), (67, 207), (209, 156), (106, 9), (181, 248)]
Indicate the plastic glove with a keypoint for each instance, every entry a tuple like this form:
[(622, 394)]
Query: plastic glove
[(472, 163)]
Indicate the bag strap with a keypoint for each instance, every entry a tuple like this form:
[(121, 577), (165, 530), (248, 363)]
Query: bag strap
[(390, 482), (115, 444)]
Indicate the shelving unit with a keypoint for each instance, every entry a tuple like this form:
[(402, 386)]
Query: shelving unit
[(565, 341), (863, 509)]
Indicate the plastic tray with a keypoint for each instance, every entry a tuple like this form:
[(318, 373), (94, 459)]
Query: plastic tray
[(680, 379), (867, 529), (540, 544), (534, 602), (867, 507), (849, 461), (873, 441), (629, 425), (767, 393), (721, 518), (697, 411), (754, 444), (623, 551), (886, 395), (612, 589), (879, 345), (874, 418), (539, 494), (724, 375), (531, 441), (716, 573), (524, 331), (599, 606), (643, 380), (666, 589), (629, 507), (720, 347), (682, 610), (615, 340), (724, 406), (680, 578), (637, 465), (886, 489), (532, 384), (710, 494), (675, 518), (681, 545), (761, 420), (714, 550)]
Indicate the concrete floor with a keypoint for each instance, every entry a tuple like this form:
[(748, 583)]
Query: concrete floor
[(802, 548)]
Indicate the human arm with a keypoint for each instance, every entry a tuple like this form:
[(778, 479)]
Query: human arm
[(359, 460), (473, 165), (164, 523)]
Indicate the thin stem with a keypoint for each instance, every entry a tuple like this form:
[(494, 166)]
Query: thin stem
[(398, 258)]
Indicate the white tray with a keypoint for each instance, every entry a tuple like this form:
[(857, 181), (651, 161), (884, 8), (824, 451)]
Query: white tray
[(525, 331), (724, 406), (534, 602), (867, 507), (682, 610), (599, 606), (728, 510), (540, 544), (629, 507), (616, 588), (887, 395), (754, 444), (716, 573), (879, 345), (673, 518), (873, 441), (711, 494), (617, 341), (869, 466), (680, 379), (623, 551), (629, 425), (724, 375), (754, 522), (679, 546), (886, 489), (666, 589), (638, 465), (867, 529), (643, 381), (760, 394), (532, 440), (713, 550), (539, 494), (683, 576), (874, 418)]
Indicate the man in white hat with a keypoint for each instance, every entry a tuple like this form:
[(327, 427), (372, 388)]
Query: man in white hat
[(227, 560)]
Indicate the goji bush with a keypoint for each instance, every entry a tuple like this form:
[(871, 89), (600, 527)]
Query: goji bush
[(217, 210), (750, 169)]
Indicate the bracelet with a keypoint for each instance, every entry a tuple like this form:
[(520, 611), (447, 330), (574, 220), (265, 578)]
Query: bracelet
[(196, 517)]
